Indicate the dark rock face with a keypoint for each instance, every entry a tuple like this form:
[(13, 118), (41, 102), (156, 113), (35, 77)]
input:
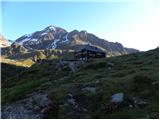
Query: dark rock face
[(56, 38)]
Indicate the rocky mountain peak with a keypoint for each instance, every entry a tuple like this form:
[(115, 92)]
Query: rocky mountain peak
[(51, 27), (54, 29), (53, 37)]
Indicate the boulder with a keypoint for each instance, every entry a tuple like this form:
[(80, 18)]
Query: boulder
[(19, 111), (117, 98), (41, 100), (34, 106)]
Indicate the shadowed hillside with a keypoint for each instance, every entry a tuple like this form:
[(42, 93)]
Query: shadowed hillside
[(9, 70)]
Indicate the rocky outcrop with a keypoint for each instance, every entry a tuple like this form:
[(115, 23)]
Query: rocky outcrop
[(72, 65), (34, 106), (14, 49)]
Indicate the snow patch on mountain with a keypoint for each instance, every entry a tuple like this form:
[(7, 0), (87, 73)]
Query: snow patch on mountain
[(44, 34), (52, 28), (66, 38), (24, 40), (34, 40), (85, 32), (53, 45)]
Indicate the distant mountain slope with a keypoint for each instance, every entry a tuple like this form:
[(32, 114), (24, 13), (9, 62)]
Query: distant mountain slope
[(58, 38), (4, 42)]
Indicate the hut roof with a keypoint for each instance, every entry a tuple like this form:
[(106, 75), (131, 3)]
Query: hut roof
[(90, 48)]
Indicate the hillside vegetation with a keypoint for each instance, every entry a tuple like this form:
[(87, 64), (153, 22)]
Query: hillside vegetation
[(87, 92)]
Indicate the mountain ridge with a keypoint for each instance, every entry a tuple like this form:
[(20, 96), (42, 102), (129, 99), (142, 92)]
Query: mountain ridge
[(53, 37)]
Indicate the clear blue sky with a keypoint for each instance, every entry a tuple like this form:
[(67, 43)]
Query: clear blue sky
[(130, 23)]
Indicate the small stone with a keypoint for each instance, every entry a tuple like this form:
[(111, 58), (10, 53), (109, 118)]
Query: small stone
[(37, 108), (109, 64), (147, 117), (63, 105), (45, 110), (71, 101), (97, 81), (130, 106), (155, 84), (142, 104), (139, 103), (84, 110), (76, 106), (89, 89), (109, 68), (69, 95)]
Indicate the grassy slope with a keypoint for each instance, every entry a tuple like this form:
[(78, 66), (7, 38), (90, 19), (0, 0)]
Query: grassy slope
[(20, 63), (131, 74)]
